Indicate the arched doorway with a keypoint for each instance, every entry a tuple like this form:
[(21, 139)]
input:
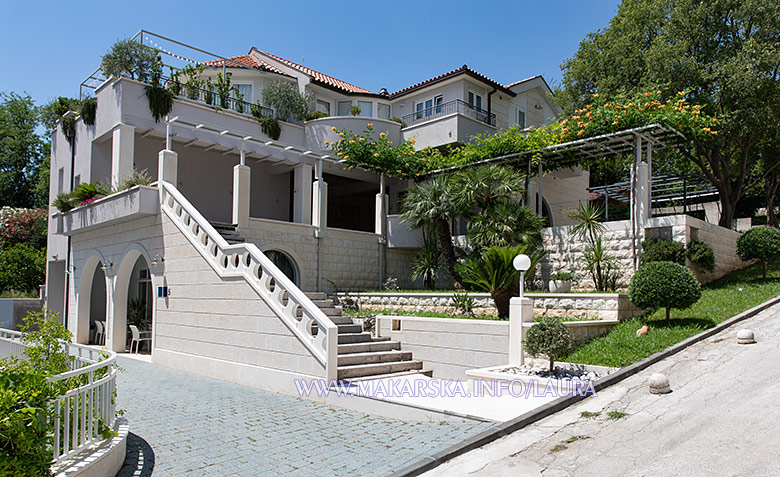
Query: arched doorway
[(133, 300), (91, 301), (286, 264)]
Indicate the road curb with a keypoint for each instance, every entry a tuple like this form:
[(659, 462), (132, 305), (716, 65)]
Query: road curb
[(427, 463)]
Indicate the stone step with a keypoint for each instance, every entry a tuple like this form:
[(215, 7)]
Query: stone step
[(317, 295), (323, 303), (346, 338), (349, 328), (326, 311), (341, 320), (369, 347), (374, 357), (360, 370), (424, 372)]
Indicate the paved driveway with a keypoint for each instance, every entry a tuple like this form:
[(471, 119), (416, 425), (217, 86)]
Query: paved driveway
[(188, 424), (722, 418)]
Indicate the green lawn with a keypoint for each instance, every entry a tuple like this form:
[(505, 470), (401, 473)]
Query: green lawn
[(720, 300)]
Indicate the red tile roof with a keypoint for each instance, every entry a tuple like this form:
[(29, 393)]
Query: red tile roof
[(462, 70), (245, 60), (322, 77)]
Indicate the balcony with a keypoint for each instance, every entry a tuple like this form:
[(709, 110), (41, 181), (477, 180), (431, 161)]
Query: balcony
[(320, 130), (133, 203), (212, 99), (452, 107)]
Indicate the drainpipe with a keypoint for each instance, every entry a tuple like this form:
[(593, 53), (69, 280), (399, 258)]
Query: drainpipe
[(68, 271), (490, 104)]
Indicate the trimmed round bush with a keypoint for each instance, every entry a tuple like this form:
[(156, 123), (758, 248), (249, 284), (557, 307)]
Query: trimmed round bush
[(658, 250), (664, 285), (701, 254), (759, 243), (550, 338)]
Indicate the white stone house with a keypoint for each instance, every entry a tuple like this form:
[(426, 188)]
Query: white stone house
[(323, 226)]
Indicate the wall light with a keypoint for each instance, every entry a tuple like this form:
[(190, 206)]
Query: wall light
[(106, 266), (158, 259)]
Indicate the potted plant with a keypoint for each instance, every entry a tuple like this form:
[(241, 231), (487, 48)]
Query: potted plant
[(560, 282)]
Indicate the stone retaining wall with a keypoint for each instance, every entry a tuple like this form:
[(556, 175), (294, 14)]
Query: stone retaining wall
[(596, 306)]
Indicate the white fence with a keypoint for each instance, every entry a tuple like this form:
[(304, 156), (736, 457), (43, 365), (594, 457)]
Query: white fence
[(87, 408)]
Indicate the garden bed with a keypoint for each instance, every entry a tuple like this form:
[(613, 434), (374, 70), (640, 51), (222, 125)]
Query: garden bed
[(720, 300), (568, 306)]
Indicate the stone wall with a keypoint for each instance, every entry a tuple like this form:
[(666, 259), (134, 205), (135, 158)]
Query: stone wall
[(596, 306), (13, 311), (565, 252), (350, 260)]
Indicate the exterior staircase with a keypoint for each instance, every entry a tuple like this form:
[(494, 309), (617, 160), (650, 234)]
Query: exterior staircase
[(229, 232), (362, 356)]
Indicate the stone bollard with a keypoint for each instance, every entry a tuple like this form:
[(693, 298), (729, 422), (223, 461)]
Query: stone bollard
[(659, 384), (745, 337)]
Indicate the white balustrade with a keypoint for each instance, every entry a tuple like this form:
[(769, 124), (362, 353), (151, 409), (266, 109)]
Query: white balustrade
[(87, 407), (313, 328)]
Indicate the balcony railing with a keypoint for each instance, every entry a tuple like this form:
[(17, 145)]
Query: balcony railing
[(451, 107), (212, 99)]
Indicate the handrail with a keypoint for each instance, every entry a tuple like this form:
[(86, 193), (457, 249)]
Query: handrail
[(245, 260), (451, 107), (80, 411)]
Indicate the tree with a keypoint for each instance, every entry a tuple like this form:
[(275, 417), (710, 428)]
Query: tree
[(21, 151), (664, 285), (431, 204), (550, 338), (725, 54), (494, 272), (129, 58), (759, 243), (286, 100)]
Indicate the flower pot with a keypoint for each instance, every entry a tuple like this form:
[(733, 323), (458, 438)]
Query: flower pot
[(559, 286)]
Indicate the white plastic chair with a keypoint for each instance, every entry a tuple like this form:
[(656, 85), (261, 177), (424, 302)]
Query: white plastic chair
[(100, 334), (139, 337)]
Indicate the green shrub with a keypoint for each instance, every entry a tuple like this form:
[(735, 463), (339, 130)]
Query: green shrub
[(22, 267), (355, 110), (270, 127), (129, 58), (88, 111), (135, 178), (64, 202), (561, 276), (286, 100), (664, 285), (494, 272), (87, 191), (759, 243), (399, 121), (315, 115), (701, 254), (550, 338), (658, 250), (25, 434)]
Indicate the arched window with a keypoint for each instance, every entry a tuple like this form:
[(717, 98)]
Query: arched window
[(285, 263)]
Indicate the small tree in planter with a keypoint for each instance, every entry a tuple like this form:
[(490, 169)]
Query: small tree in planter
[(759, 243), (560, 282), (549, 337), (494, 273), (664, 284)]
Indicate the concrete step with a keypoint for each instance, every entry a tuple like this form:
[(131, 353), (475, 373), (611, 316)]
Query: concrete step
[(374, 357), (317, 295), (326, 311), (424, 372), (346, 338), (323, 303), (349, 328), (371, 346), (341, 320), (360, 370)]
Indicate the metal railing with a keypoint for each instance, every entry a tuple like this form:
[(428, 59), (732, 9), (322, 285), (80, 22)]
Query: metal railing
[(87, 408), (313, 328), (214, 100), (451, 107)]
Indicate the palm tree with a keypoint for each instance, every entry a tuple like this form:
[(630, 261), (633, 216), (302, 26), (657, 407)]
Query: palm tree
[(485, 186), (494, 273), (590, 228), (430, 204), (504, 224)]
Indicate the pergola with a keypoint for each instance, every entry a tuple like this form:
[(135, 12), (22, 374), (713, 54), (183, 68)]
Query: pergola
[(639, 142)]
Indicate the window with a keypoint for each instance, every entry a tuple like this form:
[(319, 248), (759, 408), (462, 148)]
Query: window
[(244, 92), (475, 100), (429, 107), (60, 180), (323, 107), (366, 108), (521, 118), (383, 111), (77, 180), (344, 108)]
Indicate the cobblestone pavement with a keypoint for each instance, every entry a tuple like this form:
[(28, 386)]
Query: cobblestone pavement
[(721, 418), (188, 424)]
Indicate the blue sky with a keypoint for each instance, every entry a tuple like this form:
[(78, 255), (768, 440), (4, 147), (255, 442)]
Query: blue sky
[(48, 48)]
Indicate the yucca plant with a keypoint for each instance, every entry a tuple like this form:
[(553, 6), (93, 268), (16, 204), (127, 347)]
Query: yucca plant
[(427, 263)]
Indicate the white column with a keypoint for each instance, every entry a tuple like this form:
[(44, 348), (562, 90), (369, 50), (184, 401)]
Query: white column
[(380, 213), (122, 153), (302, 195), (168, 167), (642, 195), (242, 184), (319, 207), (521, 310)]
